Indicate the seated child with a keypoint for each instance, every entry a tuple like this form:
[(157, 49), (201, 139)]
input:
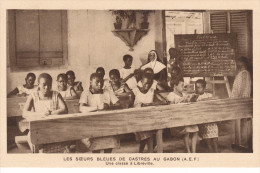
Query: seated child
[(118, 87), (155, 83), (25, 89), (175, 97), (210, 130), (97, 99), (144, 96), (127, 72), (101, 71), (116, 83), (66, 91), (45, 102), (71, 82)]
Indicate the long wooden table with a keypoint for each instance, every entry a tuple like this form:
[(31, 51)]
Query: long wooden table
[(15, 106), (108, 123)]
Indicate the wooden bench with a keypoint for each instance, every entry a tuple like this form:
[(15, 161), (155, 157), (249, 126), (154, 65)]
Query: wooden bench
[(77, 126)]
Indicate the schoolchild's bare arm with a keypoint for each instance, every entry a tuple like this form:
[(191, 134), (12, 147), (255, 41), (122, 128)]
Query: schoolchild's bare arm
[(27, 113), (74, 95), (14, 92), (63, 109), (85, 108)]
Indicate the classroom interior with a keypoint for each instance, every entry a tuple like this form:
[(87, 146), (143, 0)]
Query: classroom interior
[(55, 41)]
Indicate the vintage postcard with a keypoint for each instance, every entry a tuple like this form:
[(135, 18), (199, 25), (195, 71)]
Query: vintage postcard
[(129, 83)]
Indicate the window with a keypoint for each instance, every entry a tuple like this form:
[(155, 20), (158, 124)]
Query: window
[(181, 22), (37, 38), (238, 22)]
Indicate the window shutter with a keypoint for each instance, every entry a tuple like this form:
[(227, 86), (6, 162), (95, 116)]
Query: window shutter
[(51, 41), (238, 25), (218, 22), (37, 38)]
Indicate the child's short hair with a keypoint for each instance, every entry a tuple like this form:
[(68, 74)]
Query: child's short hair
[(63, 76), (71, 73), (100, 69), (176, 81), (147, 75), (245, 61), (114, 72), (148, 69), (94, 75), (177, 70), (45, 76), (202, 82), (125, 57), (30, 75)]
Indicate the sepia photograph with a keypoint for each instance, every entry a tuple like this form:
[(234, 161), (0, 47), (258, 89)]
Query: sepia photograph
[(85, 83)]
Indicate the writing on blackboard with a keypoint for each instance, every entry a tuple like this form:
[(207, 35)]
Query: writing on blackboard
[(207, 54)]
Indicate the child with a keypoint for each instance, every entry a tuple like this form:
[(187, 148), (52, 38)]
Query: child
[(71, 82), (210, 130), (25, 89), (45, 102), (98, 99), (155, 83), (116, 83), (144, 97), (175, 97), (101, 71), (127, 72), (119, 87), (67, 92)]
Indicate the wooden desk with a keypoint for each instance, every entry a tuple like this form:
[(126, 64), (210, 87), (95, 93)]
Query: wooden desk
[(15, 104), (108, 123)]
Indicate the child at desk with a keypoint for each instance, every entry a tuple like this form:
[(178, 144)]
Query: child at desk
[(144, 96), (96, 99), (127, 72), (175, 97), (66, 91), (118, 87), (116, 83), (71, 82), (45, 102), (25, 89), (101, 72), (209, 131), (155, 83)]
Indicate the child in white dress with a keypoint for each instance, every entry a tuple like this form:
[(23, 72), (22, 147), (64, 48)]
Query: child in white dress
[(175, 97), (66, 91), (209, 131), (45, 102), (101, 72), (155, 83), (144, 96), (71, 82), (27, 88), (97, 99), (127, 72)]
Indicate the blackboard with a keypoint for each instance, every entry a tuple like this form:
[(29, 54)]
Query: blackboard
[(207, 54)]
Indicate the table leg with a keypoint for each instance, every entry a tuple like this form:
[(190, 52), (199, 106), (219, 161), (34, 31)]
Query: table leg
[(238, 132), (150, 145), (159, 140)]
